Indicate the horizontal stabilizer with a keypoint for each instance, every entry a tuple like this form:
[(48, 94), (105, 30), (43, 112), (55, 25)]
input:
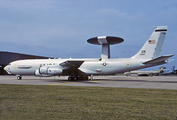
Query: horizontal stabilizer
[(159, 59)]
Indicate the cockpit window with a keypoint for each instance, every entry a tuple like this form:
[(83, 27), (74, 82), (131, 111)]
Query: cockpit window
[(9, 64)]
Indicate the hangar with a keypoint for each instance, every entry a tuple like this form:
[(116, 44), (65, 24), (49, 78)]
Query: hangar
[(7, 57)]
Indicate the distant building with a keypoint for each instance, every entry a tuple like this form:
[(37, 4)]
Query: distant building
[(7, 57)]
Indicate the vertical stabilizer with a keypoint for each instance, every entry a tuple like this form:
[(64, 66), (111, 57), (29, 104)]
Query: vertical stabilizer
[(153, 46)]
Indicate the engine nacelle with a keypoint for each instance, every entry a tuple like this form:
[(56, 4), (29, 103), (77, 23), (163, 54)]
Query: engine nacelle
[(48, 71), (43, 70), (37, 74), (54, 71)]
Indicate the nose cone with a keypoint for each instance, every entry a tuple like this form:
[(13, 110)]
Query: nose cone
[(7, 69)]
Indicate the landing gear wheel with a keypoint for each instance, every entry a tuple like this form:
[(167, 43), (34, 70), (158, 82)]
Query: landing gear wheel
[(19, 77), (69, 78), (75, 78)]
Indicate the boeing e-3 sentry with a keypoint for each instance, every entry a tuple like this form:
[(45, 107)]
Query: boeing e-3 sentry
[(76, 69)]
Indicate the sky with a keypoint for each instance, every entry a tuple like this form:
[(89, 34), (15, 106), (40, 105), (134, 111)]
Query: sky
[(61, 28)]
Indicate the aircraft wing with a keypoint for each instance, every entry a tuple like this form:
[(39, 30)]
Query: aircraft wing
[(71, 64), (158, 60)]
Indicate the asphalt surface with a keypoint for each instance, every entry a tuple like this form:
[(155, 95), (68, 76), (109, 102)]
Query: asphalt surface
[(154, 82)]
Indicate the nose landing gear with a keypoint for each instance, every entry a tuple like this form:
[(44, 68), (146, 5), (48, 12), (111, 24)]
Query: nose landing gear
[(19, 77)]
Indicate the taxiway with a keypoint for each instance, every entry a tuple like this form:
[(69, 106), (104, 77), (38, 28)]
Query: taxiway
[(155, 82)]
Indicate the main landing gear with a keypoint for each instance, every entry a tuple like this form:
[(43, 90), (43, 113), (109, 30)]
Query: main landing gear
[(73, 78), (78, 77)]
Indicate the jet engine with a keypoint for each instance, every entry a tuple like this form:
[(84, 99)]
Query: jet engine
[(37, 74), (47, 71)]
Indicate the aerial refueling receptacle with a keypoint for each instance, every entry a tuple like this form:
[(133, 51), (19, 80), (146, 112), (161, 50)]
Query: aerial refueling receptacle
[(105, 41)]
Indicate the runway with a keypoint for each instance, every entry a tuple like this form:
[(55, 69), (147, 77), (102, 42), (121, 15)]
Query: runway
[(154, 82)]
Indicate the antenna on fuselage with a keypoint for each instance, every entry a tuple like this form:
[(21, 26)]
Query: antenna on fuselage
[(105, 41)]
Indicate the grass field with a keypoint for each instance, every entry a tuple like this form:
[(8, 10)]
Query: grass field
[(21, 102)]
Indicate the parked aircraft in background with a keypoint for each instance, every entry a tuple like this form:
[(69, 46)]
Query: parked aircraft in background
[(171, 72), (148, 56), (145, 73)]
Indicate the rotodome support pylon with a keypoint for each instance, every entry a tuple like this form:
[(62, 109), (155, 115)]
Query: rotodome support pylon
[(105, 41)]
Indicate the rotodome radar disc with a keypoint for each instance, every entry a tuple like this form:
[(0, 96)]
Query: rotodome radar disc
[(105, 40)]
